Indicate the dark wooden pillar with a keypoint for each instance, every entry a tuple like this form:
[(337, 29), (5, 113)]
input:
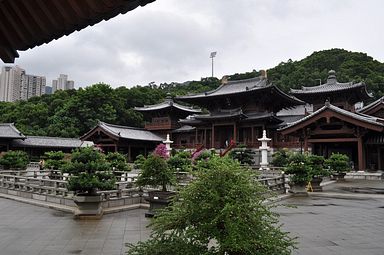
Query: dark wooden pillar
[(235, 132), (213, 136), (129, 153), (196, 142), (379, 158), (253, 136), (360, 154), (305, 144)]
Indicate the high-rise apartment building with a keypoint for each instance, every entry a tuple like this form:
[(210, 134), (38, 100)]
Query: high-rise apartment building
[(15, 84), (62, 83), (32, 85)]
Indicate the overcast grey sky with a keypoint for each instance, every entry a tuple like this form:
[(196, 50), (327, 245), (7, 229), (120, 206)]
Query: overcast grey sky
[(170, 40)]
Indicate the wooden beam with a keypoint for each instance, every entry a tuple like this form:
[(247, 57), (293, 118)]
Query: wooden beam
[(332, 140)]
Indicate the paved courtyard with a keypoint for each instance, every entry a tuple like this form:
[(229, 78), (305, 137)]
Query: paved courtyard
[(323, 225)]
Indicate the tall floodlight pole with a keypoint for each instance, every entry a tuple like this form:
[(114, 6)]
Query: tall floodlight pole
[(213, 54)]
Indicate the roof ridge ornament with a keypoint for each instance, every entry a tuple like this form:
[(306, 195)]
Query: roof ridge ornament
[(331, 77), (327, 103)]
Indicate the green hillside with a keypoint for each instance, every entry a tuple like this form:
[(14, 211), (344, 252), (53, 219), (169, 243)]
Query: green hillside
[(349, 66)]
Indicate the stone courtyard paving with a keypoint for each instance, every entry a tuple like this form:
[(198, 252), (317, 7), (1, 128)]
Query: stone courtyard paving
[(323, 225), (335, 226)]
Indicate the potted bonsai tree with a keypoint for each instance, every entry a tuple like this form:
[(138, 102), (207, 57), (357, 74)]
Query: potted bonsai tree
[(89, 172), (156, 172), (317, 171), (339, 165), (299, 169)]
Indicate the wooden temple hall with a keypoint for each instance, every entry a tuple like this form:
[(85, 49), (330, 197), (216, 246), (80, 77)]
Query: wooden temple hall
[(322, 119)]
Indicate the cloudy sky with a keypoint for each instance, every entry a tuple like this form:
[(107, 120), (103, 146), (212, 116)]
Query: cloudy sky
[(171, 40)]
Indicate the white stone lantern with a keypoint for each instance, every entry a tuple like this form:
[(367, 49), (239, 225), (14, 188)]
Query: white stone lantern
[(168, 143), (264, 150)]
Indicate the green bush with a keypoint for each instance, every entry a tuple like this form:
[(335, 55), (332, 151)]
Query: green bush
[(243, 155), (221, 212), (338, 163), (54, 160), (299, 168), (317, 166), (14, 159), (180, 162), (118, 161), (281, 158), (91, 172), (155, 172)]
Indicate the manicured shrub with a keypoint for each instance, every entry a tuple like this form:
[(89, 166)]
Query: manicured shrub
[(14, 159)]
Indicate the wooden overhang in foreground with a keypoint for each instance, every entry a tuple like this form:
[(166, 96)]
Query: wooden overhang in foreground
[(25, 24), (332, 126)]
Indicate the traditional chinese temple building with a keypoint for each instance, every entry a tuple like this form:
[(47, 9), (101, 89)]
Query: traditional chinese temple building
[(164, 117), (337, 127), (238, 112), (129, 141), (342, 95)]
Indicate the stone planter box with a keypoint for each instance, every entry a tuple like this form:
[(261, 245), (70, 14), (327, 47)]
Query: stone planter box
[(298, 189), (158, 200), (88, 207), (315, 183)]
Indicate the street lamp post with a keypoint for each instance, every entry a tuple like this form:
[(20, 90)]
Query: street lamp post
[(213, 54)]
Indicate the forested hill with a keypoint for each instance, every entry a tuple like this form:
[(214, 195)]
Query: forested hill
[(72, 113), (349, 66)]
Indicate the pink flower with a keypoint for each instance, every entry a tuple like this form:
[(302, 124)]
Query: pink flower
[(161, 151)]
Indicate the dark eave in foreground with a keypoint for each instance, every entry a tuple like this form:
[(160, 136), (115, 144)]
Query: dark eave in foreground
[(25, 24)]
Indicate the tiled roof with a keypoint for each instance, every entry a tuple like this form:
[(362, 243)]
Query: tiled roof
[(185, 128), (357, 116), (223, 113), (332, 85), (50, 142), (328, 88), (372, 105), (131, 133), (8, 130), (240, 86), (168, 103)]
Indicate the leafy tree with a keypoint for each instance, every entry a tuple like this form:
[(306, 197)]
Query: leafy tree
[(221, 212), (338, 163), (14, 159), (118, 161)]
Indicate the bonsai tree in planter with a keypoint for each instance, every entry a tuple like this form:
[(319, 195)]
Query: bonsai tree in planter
[(281, 158), (14, 160), (156, 172), (338, 164), (300, 171), (244, 155), (54, 161), (220, 212), (318, 171), (90, 172), (118, 161)]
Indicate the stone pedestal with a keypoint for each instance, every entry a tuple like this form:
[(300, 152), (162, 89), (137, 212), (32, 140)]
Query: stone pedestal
[(88, 207)]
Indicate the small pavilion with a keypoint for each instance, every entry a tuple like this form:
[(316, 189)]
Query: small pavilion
[(130, 141), (164, 117)]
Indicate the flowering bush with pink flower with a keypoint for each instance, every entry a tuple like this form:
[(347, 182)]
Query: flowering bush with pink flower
[(161, 151)]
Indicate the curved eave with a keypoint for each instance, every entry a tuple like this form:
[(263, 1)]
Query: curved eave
[(353, 118), (310, 93), (155, 108), (30, 23), (372, 106)]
